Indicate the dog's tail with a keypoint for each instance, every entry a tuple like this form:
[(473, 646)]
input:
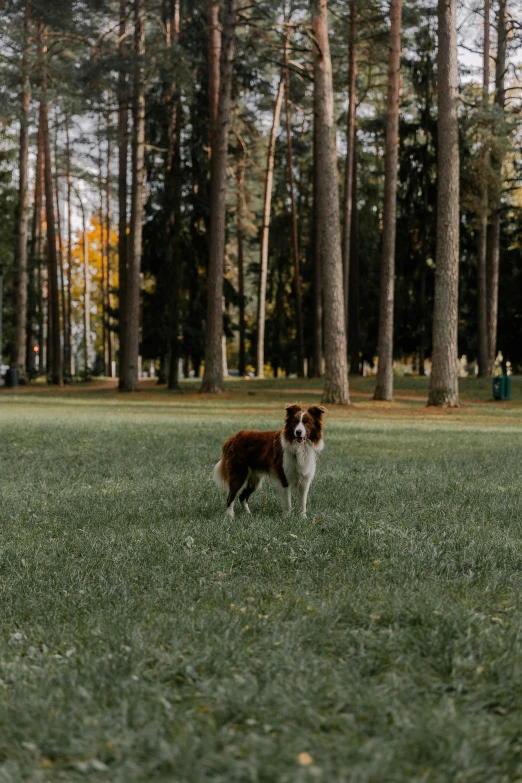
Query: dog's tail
[(220, 475)]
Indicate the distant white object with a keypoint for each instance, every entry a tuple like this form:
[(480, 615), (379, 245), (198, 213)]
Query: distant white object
[(113, 369)]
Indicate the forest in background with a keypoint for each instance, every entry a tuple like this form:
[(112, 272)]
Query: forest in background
[(168, 167)]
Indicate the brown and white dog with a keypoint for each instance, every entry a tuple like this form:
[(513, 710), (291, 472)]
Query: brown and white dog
[(288, 455)]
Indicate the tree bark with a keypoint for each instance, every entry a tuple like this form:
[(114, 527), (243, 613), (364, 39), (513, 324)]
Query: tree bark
[(108, 245), (443, 390), (130, 380), (493, 254), (240, 179), (35, 256), (68, 341), (39, 242), (123, 151), (55, 359), (384, 385), (348, 172), (63, 300), (336, 373), (353, 288), (214, 57), (173, 199), (295, 244), (23, 206), (317, 369), (482, 298), (86, 302), (265, 230), (103, 248), (213, 374)]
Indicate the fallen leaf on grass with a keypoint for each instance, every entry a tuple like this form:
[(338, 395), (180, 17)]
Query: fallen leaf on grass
[(305, 759), (375, 617), (221, 574)]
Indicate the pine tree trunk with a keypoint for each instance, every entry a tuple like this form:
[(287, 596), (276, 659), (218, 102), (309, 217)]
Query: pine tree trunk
[(108, 246), (130, 379), (123, 151), (55, 359), (353, 287), (295, 243), (443, 390), (173, 200), (336, 373), (39, 242), (68, 341), (482, 301), (384, 385), (35, 293), (63, 300), (240, 179), (213, 374), (19, 358), (265, 230), (86, 302), (493, 250), (214, 57), (103, 247), (317, 369), (348, 172)]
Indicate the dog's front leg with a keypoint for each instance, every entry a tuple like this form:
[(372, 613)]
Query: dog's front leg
[(285, 494), (302, 494)]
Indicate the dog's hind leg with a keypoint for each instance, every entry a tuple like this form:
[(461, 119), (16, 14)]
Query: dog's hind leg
[(235, 483), (254, 482)]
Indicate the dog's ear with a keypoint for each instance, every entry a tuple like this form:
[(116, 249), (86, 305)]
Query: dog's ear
[(291, 409), (317, 411)]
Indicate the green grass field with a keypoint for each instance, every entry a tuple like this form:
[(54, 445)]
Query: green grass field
[(144, 637)]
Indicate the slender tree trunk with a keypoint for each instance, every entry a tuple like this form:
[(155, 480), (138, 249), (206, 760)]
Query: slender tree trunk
[(353, 288), (493, 256), (213, 374), (86, 302), (384, 385), (101, 221), (39, 242), (422, 307), (63, 301), (318, 287), (265, 230), (130, 380), (173, 199), (214, 57), (295, 244), (444, 388), (123, 151), (68, 341), (482, 299), (23, 206), (240, 179), (108, 244), (35, 258), (348, 173), (55, 359), (336, 372)]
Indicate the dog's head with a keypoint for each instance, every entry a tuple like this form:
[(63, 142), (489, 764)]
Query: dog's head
[(303, 424)]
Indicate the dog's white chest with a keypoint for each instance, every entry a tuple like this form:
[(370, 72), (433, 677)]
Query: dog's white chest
[(299, 462)]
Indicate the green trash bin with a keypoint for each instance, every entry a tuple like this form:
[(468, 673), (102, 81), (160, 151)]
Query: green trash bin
[(502, 387)]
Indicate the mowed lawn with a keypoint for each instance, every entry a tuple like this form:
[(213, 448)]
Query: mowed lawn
[(144, 637)]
